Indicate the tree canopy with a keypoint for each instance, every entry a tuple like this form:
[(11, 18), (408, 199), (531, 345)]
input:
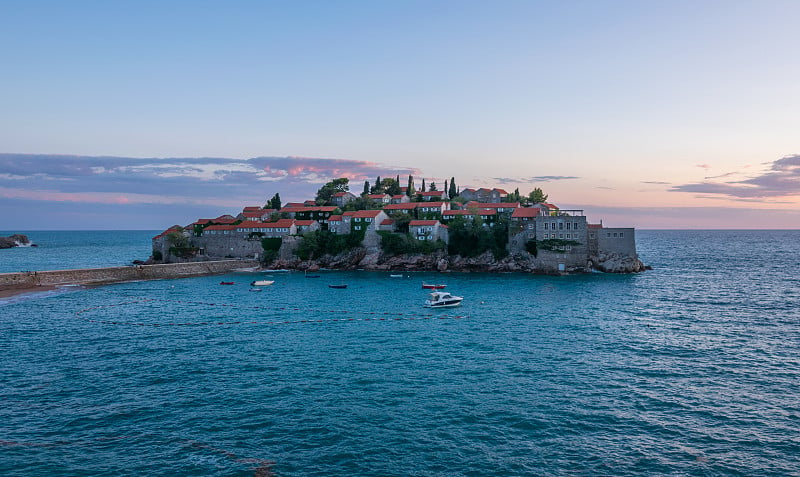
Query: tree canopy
[(325, 192), (537, 196)]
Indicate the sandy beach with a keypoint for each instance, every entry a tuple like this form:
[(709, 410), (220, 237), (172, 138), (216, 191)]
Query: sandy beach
[(9, 291)]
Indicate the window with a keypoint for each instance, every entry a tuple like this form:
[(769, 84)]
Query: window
[(368, 219), (591, 236), (608, 234), (561, 226), (620, 234), (545, 225), (569, 224), (560, 235), (357, 227), (615, 235)]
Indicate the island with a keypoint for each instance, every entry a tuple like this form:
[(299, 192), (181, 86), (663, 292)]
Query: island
[(393, 228), (16, 240)]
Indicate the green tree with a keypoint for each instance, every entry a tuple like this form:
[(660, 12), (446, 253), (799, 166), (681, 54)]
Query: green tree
[(393, 186), (366, 188), (537, 196), (410, 187), (378, 187), (452, 192), (274, 202), (325, 192), (423, 185), (432, 187)]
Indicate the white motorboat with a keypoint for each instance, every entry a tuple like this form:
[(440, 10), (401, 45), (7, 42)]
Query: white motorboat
[(262, 283), (442, 300)]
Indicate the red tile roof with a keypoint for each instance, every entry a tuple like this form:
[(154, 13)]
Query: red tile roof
[(220, 227), (366, 213), (433, 193), (594, 226), (422, 222), (335, 218), (387, 222), (406, 206), (251, 208), (282, 223), (304, 223), (493, 205), (526, 212)]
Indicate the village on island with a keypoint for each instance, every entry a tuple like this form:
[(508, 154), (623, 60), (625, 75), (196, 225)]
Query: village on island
[(389, 227)]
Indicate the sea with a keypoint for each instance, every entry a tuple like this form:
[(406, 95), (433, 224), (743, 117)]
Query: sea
[(691, 368)]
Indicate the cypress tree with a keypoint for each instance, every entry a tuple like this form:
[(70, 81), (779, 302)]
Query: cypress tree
[(452, 192), (410, 187), (366, 188), (423, 185)]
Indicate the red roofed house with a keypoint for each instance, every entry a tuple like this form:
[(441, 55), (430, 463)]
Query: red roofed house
[(387, 225), (506, 208), (400, 199), (403, 208), (365, 219), (428, 230), (304, 226), (340, 199), (427, 210), (434, 195), (336, 225), (380, 198)]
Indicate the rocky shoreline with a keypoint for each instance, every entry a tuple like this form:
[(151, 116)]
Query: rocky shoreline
[(363, 259)]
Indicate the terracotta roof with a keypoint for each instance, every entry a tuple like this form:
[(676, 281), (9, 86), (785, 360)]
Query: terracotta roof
[(422, 222), (398, 196), (349, 213), (594, 226), (225, 219), (311, 203), (341, 194), (251, 208), (294, 204), (377, 196), (437, 193), (249, 224), (366, 213), (502, 191), (551, 206), (430, 204), (304, 223), (387, 222), (316, 208), (492, 205), (253, 214), (220, 227), (282, 223), (526, 212), (201, 221), (335, 218), (406, 206)]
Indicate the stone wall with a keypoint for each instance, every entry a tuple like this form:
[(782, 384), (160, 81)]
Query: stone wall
[(120, 274), (621, 241)]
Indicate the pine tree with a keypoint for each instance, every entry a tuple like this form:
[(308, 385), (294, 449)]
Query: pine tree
[(433, 186), (378, 186)]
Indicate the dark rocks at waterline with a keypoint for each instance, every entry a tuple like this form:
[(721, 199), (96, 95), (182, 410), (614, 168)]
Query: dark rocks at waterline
[(16, 240)]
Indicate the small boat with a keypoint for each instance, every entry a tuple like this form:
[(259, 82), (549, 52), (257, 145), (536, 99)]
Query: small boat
[(312, 276), (262, 283), (442, 300), (343, 285), (396, 276), (429, 286), (255, 289), (226, 283)]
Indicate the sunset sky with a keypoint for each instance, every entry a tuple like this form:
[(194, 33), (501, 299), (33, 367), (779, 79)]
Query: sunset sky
[(142, 115)]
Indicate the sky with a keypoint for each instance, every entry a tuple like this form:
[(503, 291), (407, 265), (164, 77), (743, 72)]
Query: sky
[(141, 115)]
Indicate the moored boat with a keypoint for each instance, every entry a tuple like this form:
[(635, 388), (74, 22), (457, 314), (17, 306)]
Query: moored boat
[(261, 283), (343, 285), (429, 286), (226, 283), (442, 300)]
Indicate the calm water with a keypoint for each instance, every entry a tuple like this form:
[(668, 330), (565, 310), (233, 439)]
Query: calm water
[(59, 250), (692, 368)]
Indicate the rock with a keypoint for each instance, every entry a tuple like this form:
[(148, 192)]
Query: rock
[(442, 265), (15, 240)]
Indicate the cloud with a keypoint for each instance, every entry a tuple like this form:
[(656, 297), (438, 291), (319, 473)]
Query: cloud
[(531, 180), (703, 166), (782, 179), (179, 180), (656, 182)]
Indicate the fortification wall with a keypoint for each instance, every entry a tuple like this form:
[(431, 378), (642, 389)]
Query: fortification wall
[(620, 241), (120, 274)]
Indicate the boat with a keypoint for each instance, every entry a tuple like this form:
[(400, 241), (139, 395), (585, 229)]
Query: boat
[(396, 276), (429, 286), (226, 283), (261, 283), (312, 276), (343, 285), (442, 300)]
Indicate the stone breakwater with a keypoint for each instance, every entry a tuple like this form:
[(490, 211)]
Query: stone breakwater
[(99, 276)]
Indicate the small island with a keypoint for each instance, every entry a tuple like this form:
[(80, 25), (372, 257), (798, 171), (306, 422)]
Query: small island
[(393, 228)]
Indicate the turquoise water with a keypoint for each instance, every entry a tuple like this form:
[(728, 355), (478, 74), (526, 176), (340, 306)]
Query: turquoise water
[(60, 250), (692, 368)]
